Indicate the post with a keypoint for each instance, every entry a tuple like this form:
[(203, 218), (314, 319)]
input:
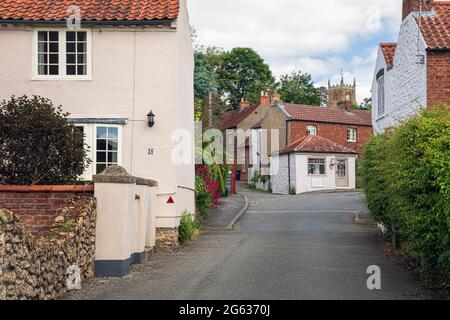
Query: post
[(233, 180)]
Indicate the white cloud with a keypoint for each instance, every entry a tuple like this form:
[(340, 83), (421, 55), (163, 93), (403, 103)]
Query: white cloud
[(319, 37)]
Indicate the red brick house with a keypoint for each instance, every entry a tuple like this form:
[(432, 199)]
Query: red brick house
[(344, 125), (341, 124), (414, 72)]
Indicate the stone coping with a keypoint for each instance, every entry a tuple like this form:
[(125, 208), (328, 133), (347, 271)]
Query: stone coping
[(48, 188), (118, 174)]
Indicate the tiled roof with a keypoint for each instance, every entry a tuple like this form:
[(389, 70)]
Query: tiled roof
[(232, 119), (316, 144), (435, 28), (91, 10), (324, 114), (388, 50)]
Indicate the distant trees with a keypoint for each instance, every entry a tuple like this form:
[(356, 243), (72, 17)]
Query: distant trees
[(244, 74), (365, 105), (298, 88), (223, 78)]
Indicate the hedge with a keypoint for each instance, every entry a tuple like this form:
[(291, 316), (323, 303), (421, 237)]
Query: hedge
[(406, 176)]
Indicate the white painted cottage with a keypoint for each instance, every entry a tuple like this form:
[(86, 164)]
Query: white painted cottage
[(125, 59), (313, 163), (413, 73)]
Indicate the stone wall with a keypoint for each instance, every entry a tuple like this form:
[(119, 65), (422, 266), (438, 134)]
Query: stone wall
[(279, 174), (167, 240), (37, 206), (46, 266)]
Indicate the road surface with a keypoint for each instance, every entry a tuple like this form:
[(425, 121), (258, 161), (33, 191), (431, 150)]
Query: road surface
[(286, 247)]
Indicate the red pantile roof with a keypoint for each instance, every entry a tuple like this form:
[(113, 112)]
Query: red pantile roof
[(91, 10), (435, 28), (324, 114), (388, 50), (232, 119), (316, 144)]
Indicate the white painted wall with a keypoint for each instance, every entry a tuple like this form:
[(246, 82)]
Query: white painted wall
[(134, 70), (407, 92), (304, 182), (383, 121)]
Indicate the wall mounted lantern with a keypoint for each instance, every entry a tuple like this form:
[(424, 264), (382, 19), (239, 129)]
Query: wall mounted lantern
[(332, 163), (151, 119)]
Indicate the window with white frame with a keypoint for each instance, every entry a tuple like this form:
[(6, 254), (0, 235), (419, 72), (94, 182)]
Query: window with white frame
[(311, 130), (316, 166), (381, 94), (62, 54), (351, 135), (107, 147), (104, 145)]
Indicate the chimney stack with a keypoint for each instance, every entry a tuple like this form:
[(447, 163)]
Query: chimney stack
[(244, 104), (265, 99), (412, 6)]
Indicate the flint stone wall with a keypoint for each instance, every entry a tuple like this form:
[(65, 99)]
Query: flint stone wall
[(167, 240), (46, 266)]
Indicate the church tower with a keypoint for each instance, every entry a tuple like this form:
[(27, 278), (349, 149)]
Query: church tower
[(341, 93)]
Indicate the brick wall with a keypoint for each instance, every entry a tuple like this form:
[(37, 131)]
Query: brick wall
[(332, 131), (438, 78), (38, 206)]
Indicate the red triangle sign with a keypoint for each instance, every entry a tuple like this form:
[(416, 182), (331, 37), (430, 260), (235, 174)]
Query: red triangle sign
[(170, 201)]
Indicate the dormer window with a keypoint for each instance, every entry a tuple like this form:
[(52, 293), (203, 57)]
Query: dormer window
[(311, 130), (62, 55)]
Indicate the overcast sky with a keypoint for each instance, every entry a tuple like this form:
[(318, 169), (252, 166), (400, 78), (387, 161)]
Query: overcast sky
[(318, 37)]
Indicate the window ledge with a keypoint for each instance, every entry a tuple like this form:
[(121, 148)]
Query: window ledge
[(38, 78)]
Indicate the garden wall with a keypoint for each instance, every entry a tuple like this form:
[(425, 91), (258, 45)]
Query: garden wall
[(46, 266), (37, 206)]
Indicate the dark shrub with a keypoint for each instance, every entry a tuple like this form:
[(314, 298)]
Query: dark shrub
[(407, 185), (37, 145)]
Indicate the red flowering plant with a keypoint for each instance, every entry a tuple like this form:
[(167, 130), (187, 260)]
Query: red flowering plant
[(209, 184)]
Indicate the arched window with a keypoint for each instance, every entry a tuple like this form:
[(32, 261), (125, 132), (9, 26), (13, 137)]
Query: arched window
[(381, 96)]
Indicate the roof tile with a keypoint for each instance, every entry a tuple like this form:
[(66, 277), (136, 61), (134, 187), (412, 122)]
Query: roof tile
[(324, 114), (435, 28), (91, 10), (232, 119), (388, 50), (316, 144)]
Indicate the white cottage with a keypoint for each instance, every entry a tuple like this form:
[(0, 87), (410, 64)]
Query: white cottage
[(313, 163), (125, 59), (413, 73)]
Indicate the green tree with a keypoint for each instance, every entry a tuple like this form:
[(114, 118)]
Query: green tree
[(207, 104), (37, 144), (298, 88), (323, 96), (243, 74), (207, 61), (365, 105)]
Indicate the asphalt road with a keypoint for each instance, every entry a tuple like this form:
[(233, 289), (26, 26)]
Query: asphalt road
[(286, 247)]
